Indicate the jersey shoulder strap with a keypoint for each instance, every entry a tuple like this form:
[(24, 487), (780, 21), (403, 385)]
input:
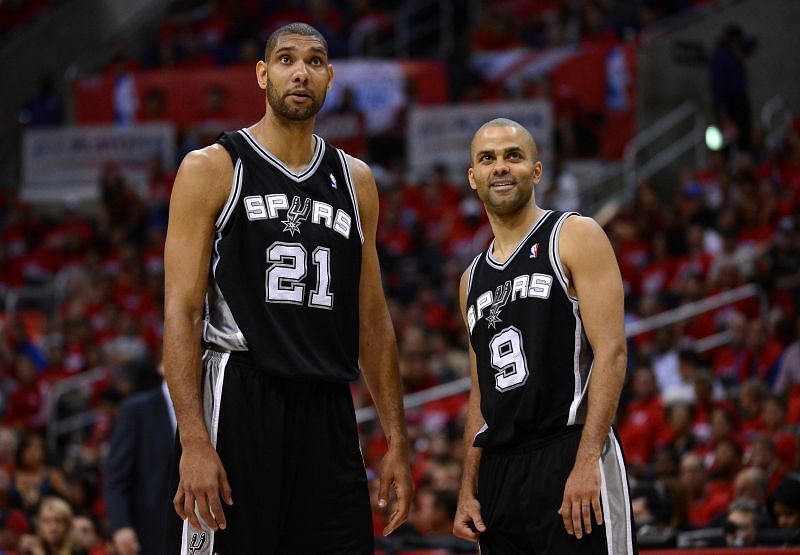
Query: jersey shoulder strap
[(226, 139)]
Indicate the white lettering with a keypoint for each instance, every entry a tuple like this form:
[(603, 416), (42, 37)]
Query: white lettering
[(276, 202), (520, 287), (540, 286), (471, 319), (484, 301), (322, 211), (342, 223), (255, 208)]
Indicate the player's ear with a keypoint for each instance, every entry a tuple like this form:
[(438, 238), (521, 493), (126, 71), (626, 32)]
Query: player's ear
[(330, 76), (471, 179), (261, 74), (537, 172)]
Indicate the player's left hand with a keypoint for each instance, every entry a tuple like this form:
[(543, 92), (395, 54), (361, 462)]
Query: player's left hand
[(396, 476), (581, 496)]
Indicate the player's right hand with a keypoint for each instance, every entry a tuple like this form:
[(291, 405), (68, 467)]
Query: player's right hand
[(202, 480), (468, 523)]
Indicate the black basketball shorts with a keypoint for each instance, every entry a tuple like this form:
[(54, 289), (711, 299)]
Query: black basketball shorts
[(291, 452), (520, 494)]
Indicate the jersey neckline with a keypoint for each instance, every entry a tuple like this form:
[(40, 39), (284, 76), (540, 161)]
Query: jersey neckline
[(494, 263), (298, 177)]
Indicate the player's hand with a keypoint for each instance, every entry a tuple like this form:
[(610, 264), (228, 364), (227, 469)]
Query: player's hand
[(395, 476), (468, 519), (125, 542), (202, 481), (581, 497)]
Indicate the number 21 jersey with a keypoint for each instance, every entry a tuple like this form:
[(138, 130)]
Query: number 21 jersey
[(286, 264), (533, 358)]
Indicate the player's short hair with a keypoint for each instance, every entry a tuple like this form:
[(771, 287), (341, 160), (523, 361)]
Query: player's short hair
[(296, 28), (506, 122)]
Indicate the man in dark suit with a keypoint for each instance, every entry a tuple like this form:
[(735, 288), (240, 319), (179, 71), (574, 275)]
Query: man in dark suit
[(137, 471)]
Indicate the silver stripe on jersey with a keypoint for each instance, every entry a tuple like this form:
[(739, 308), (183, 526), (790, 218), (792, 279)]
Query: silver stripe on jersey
[(578, 362), (220, 329), (233, 197), (201, 542), (555, 255), (472, 272), (351, 188), (494, 263), (307, 172), (615, 499)]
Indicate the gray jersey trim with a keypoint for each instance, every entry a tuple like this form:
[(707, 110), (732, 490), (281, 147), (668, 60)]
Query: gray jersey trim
[(615, 499), (233, 197), (351, 188), (193, 541), (220, 328), (308, 171)]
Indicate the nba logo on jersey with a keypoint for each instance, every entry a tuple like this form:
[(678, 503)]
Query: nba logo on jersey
[(534, 250), (334, 185)]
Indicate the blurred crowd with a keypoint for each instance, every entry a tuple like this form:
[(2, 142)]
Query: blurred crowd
[(710, 429)]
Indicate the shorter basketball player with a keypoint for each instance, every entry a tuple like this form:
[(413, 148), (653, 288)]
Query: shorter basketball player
[(543, 305)]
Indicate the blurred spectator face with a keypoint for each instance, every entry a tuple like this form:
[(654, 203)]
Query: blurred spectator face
[(740, 528), (727, 458), (84, 533), (644, 384), (773, 413), (756, 335), (54, 521), (32, 455), (693, 473), (8, 445), (751, 484), (680, 417), (665, 463), (25, 371), (787, 517), (721, 425), (763, 454)]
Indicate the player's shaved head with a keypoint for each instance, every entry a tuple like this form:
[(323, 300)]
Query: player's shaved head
[(302, 29), (524, 134)]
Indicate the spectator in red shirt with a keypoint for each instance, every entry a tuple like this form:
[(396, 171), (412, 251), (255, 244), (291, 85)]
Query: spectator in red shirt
[(678, 434), (729, 358), (773, 415), (751, 399), (704, 503), (762, 354), (644, 419), (26, 406)]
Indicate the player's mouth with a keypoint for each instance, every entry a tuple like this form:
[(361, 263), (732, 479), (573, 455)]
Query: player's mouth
[(502, 185), (299, 95)]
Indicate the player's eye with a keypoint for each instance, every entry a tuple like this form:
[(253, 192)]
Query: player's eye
[(316, 61), (285, 59), (484, 158)]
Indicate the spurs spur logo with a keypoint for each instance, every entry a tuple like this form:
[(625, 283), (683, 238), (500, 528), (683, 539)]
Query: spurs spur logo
[(296, 215), (197, 543), (501, 295)]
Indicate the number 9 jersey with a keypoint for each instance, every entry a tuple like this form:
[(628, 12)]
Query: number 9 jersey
[(286, 264), (533, 358)]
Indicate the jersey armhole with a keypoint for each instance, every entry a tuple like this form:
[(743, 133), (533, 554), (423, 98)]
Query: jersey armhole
[(233, 197), (351, 188), (555, 255), (472, 272)]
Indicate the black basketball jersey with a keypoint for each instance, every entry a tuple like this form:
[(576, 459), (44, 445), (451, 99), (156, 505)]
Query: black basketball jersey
[(286, 264), (532, 355)]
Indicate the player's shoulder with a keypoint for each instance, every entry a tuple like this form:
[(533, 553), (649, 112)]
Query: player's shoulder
[(359, 170), (577, 228), (213, 157)]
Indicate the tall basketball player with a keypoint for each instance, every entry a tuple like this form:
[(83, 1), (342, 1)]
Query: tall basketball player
[(273, 299), (543, 305)]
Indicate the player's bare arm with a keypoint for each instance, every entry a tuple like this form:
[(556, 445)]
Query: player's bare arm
[(593, 272), (378, 354), (469, 509), (201, 188)]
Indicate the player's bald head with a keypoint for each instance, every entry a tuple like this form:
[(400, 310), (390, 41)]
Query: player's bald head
[(518, 131)]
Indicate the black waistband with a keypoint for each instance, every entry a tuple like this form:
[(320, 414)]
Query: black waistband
[(536, 442)]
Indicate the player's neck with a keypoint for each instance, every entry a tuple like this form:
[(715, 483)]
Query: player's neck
[(510, 229), (292, 142)]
